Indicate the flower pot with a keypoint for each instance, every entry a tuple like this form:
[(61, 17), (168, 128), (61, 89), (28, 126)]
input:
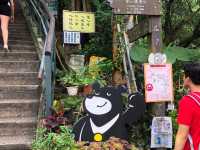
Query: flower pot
[(87, 90), (72, 91)]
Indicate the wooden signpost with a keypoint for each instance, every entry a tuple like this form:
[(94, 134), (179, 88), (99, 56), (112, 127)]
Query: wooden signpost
[(150, 27), (137, 7)]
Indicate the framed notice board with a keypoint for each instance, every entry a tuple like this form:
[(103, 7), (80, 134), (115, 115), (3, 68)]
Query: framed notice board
[(158, 83), (77, 21)]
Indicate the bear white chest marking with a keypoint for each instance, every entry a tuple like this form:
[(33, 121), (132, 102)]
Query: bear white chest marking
[(104, 128)]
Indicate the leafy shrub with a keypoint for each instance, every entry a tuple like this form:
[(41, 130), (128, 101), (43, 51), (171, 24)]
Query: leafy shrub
[(54, 141)]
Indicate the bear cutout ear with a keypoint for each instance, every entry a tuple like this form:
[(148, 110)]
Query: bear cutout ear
[(122, 89), (96, 86)]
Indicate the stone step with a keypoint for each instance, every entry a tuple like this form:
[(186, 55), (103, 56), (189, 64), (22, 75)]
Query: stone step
[(16, 142), (18, 108), (19, 66), (15, 78), (17, 56), (18, 30), (17, 26), (17, 126), (27, 42), (22, 24), (19, 92), (19, 34), (15, 37), (22, 47)]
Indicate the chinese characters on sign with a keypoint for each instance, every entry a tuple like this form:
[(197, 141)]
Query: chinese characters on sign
[(137, 7), (83, 22), (158, 83)]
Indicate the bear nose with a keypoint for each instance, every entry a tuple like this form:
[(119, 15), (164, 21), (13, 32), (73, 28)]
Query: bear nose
[(89, 96)]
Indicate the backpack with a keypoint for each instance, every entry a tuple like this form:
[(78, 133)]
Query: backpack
[(198, 103)]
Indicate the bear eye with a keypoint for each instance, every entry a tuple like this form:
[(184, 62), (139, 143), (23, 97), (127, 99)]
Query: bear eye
[(108, 94), (97, 93)]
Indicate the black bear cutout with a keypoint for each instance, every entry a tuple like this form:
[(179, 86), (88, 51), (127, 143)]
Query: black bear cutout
[(106, 116)]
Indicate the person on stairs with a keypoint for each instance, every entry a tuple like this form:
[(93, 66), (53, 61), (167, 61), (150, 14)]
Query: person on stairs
[(6, 13)]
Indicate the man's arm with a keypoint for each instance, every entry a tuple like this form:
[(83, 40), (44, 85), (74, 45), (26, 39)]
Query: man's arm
[(181, 137)]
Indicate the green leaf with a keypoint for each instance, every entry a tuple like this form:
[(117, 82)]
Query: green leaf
[(139, 54)]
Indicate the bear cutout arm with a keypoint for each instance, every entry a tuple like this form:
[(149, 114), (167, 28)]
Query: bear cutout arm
[(78, 127), (136, 108)]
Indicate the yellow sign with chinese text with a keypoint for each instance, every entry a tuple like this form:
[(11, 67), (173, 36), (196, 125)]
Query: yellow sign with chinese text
[(76, 21)]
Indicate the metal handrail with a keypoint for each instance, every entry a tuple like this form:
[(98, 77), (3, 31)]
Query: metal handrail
[(49, 38), (47, 67)]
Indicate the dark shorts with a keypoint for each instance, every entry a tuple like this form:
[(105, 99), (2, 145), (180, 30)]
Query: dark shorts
[(5, 9)]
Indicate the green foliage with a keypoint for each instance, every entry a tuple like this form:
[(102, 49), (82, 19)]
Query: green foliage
[(88, 74), (100, 43), (139, 54), (77, 79), (54, 141), (181, 22), (72, 102), (174, 54), (173, 115)]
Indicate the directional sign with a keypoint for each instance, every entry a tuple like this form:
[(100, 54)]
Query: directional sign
[(137, 7)]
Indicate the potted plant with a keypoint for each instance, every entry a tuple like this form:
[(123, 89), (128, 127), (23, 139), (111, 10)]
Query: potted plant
[(73, 80)]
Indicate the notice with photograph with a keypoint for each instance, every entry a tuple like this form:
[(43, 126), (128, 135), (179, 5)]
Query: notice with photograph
[(161, 132)]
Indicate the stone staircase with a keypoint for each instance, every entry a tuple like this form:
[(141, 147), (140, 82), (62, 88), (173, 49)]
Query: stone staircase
[(19, 88)]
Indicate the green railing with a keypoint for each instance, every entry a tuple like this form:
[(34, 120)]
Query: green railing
[(42, 24)]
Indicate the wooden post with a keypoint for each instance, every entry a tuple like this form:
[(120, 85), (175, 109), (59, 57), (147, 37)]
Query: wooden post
[(156, 29), (158, 109), (115, 43), (73, 4)]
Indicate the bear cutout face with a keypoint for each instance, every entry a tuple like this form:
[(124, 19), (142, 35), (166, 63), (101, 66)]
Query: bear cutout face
[(107, 116), (104, 101)]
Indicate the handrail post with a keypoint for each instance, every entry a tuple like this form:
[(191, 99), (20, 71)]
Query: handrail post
[(48, 83)]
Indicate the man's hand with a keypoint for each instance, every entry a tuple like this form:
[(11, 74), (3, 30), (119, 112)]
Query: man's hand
[(181, 137)]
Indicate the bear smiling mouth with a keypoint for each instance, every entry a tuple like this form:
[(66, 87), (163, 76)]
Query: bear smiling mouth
[(102, 105)]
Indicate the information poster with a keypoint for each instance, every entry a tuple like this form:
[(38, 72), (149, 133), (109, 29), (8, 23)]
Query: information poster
[(161, 132), (72, 37), (74, 21), (158, 83)]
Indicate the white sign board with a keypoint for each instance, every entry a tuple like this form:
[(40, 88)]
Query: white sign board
[(161, 132), (158, 83), (72, 37)]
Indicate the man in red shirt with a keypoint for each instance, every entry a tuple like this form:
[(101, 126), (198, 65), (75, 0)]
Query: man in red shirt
[(189, 111)]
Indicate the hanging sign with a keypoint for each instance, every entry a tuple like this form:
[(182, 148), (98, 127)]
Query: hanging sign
[(158, 83), (161, 132), (137, 7), (74, 21), (72, 37)]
